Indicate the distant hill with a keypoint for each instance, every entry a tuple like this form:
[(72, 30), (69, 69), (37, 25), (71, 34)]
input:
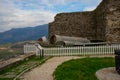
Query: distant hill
[(23, 34)]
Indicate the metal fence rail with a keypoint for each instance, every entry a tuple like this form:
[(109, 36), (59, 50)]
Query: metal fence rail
[(78, 50), (68, 51), (30, 48)]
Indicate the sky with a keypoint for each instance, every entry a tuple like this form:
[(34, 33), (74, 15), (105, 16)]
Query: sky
[(29, 13)]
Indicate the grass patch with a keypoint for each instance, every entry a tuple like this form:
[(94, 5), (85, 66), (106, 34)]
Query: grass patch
[(6, 78), (11, 72), (82, 69)]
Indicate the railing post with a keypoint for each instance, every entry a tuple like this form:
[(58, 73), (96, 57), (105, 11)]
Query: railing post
[(40, 50)]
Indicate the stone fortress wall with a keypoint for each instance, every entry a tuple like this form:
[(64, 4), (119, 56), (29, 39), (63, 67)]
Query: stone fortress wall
[(102, 24)]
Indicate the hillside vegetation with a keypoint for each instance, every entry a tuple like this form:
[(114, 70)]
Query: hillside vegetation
[(8, 51), (23, 34)]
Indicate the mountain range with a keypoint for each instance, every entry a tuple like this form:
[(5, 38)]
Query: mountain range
[(23, 34)]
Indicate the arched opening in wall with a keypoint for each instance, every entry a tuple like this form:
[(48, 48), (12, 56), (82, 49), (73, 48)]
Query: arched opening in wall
[(53, 39)]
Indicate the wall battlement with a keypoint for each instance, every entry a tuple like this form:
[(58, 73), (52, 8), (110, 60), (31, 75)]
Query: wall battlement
[(101, 24)]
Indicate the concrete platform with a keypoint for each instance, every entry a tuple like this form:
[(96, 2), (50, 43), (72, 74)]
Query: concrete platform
[(108, 74)]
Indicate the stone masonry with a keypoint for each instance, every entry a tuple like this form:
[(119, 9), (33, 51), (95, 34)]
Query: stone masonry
[(102, 24)]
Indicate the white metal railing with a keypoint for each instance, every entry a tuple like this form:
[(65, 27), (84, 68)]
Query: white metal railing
[(32, 48), (91, 50), (29, 48), (105, 49)]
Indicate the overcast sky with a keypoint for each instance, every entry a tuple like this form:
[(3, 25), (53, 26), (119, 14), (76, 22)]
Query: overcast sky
[(28, 13)]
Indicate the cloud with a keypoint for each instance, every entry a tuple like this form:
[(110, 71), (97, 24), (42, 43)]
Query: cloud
[(90, 2), (72, 5), (28, 13), (23, 18), (89, 8), (90, 5), (53, 4), (13, 17)]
